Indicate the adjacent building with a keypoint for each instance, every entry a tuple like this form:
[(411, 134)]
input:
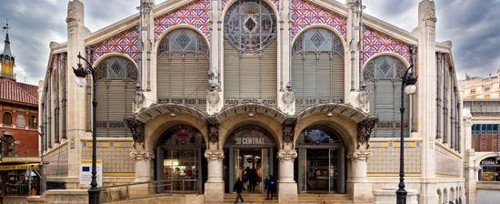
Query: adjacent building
[(482, 115), (199, 93), (18, 130)]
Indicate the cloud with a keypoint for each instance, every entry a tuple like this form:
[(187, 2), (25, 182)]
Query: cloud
[(470, 25)]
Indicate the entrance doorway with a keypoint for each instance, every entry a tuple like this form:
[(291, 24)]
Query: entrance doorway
[(250, 151), (179, 162), (321, 164)]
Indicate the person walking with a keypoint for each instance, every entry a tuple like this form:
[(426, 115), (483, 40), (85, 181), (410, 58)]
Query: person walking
[(238, 188), (271, 187)]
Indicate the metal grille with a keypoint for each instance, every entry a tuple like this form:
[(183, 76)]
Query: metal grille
[(182, 71), (115, 91), (317, 68), (383, 77)]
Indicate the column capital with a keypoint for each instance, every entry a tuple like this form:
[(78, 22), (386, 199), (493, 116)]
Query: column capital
[(141, 155), (287, 154), (213, 155), (359, 156)]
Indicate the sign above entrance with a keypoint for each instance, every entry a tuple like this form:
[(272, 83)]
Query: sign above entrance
[(250, 136)]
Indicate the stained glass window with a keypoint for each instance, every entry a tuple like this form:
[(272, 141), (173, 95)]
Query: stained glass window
[(318, 135), (183, 41), (250, 25)]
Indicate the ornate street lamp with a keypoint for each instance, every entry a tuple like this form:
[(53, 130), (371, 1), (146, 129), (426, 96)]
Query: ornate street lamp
[(407, 87), (82, 73)]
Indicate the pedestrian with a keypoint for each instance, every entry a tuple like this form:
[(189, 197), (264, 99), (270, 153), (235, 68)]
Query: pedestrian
[(238, 188), (271, 187), (252, 180)]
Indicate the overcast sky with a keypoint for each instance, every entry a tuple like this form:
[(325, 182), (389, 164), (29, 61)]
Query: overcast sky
[(473, 27)]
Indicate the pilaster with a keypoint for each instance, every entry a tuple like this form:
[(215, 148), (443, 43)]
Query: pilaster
[(76, 104), (287, 186), (143, 163), (284, 87), (215, 96), (427, 92), (360, 187), (147, 63)]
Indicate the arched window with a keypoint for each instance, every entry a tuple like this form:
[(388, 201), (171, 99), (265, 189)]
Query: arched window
[(317, 68), (115, 91), (183, 64), (383, 77), (7, 118), (250, 52)]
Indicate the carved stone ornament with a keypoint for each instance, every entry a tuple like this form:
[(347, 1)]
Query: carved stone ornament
[(360, 156), (136, 128), (287, 155), (213, 129), (365, 130), (289, 129), (212, 155), (288, 96), (213, 97), (141, 155)]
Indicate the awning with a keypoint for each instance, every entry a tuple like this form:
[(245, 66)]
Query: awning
[(19, 166)]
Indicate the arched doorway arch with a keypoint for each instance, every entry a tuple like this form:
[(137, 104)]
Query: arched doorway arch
[(489, 169), (179, 159), (251, 151), (321, 166)]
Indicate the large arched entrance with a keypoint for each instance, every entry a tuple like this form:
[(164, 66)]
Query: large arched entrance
[(250, 153), (321, 166), (179, 160)]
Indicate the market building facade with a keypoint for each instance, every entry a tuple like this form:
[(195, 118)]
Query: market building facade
[(199, 93)]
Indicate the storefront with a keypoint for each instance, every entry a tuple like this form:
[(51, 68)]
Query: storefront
[(180, 161), (251, 153), (490, 169), (19, 179), (321, 161)]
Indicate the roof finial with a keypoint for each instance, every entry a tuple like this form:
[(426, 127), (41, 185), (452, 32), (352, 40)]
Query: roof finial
[(6, 28)]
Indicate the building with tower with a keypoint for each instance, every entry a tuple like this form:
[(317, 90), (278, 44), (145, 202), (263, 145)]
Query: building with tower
[(18, 130), (196, 94)]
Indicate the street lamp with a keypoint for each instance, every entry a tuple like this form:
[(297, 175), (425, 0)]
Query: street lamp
[(407, 87), (81, 73)]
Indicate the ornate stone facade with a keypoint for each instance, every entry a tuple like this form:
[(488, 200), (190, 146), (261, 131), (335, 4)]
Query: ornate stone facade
[(226, 128)]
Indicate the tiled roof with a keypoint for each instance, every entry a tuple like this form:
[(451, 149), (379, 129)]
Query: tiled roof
[(18, 93)]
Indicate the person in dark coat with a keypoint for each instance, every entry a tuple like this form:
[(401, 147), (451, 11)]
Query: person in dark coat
[(271, 187), (239, 188), (252, 180)]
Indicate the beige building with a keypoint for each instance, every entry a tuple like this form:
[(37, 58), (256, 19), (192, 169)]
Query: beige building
[(481, 88), (212, 91), (482, 116)]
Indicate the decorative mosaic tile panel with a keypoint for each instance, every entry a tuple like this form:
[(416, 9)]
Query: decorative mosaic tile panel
[(57, 162), (447, 164), (196, 14), (114, 155), (304, 14), (375, 42), (125, 43), (385, 157)]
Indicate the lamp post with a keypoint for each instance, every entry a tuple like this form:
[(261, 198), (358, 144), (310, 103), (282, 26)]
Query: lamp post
[(407, 87), (81, 73)]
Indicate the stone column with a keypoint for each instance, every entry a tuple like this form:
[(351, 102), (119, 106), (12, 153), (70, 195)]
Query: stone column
[(146, 63), (361, 188), (143, 167), (287, 187), (214, 187)]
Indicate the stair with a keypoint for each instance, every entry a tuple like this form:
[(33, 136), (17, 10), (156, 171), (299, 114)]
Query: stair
[(253, 198), (303, 198)]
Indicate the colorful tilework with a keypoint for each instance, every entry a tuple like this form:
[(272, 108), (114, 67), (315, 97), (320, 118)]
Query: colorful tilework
[(196, 14), (114, 155), (375, 42), (304, 14), (385, 157), (125, 43), (276, 2)]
